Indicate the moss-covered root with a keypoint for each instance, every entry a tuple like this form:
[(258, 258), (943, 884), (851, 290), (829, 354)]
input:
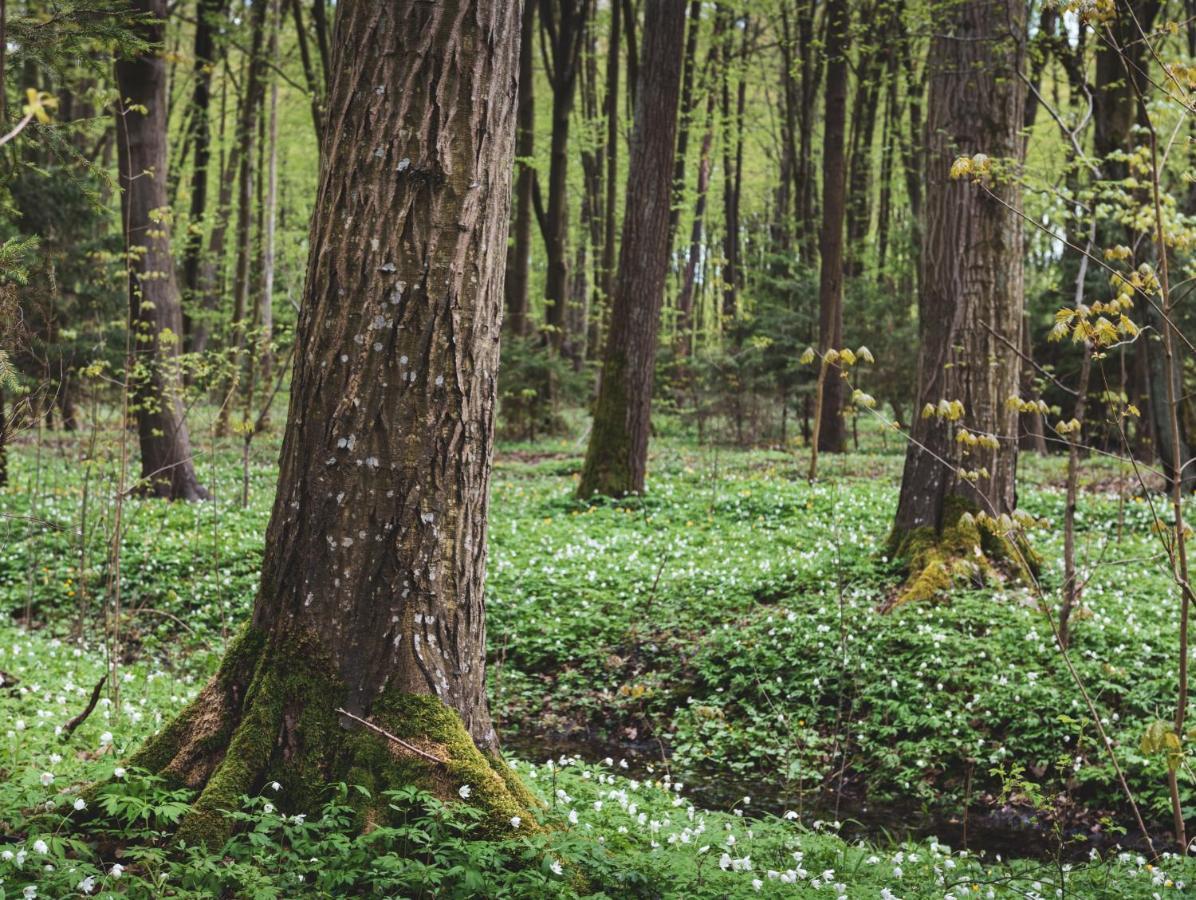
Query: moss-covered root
[(288, 731), (963, 552)]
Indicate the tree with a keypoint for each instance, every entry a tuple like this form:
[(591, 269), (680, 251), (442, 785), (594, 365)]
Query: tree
[(617, 455), (828, 429), (371, 596), (207, 14), (155, 313), (563, 27), (519, 253), (971, 294)]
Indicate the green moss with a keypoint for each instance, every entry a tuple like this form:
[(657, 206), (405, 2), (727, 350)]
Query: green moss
[(962, 551), (291, 733)]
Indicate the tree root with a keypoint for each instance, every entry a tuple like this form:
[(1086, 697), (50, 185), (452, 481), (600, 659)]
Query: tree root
[(270, 715)]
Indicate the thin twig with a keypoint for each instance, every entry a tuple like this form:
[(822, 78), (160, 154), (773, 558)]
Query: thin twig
[(386, 734)]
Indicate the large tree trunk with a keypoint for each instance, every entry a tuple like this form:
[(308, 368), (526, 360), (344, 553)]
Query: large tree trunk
[(830, 429), (155, 314), (970, 304), (617, 455), (371, 598), (519, 254)]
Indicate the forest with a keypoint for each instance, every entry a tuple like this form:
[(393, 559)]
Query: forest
[(597, 448)]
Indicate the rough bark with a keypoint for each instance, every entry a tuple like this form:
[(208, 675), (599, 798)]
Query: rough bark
[(519, 252), (617, 455), (371, 597), (830, 432), (971, 297), (155, 313)]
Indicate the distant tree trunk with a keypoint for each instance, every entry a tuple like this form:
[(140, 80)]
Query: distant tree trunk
[(563, 27), (863, 130), (830, 428), (685, 297), (732, 177), (611, 102), (683, 128), (371, 596), (247, 128), (3, 438), (617, 455), (270, 217), (970, 303), (155, 314), (315, 84), (208, 13), (811, 78), (519, 254)]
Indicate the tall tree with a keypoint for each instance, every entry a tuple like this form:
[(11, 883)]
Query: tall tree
[(371, 596), (829, 431), (155, 312), (208, 13), (520, 250), (617, 455), (563, 29), (971, 296)]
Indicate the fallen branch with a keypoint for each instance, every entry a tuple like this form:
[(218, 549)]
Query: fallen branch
[(398, 740), (69, 728)]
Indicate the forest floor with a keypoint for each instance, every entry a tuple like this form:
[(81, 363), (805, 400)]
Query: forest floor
[(718, 643)]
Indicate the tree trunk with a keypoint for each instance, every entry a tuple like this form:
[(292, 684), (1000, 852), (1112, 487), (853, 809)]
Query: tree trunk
[(519, 254), (155, 313), (207, 14), (563, 23), (371, 598), (686, 122), (830, 428), (610, 218), (970, 303), (617, 455)]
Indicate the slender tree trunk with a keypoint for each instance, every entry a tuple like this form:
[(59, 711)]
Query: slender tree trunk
[(207, 15), (683, 127), (315, 85), (610, 220), (829, 428), (519, 254), (370, 608), (970, 304), (270, 215), (247, 128), (155, 314), (563, 24), (617, 455)]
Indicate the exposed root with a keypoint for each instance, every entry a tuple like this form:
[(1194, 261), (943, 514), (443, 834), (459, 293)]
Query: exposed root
[(270, 714)]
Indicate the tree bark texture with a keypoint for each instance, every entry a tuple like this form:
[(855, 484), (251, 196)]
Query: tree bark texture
[(971, 297), (371, 597), (155, 312), (617, 455)]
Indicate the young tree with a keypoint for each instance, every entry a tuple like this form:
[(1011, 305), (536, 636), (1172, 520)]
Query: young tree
[(970, 303), (155, 313), (617, 455), (371, 597)]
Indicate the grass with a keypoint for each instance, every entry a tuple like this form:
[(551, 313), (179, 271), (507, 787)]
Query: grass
[(720, 633)]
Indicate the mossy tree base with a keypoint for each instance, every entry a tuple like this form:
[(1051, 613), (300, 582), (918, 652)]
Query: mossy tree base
[(961, 552), (269, 715)]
